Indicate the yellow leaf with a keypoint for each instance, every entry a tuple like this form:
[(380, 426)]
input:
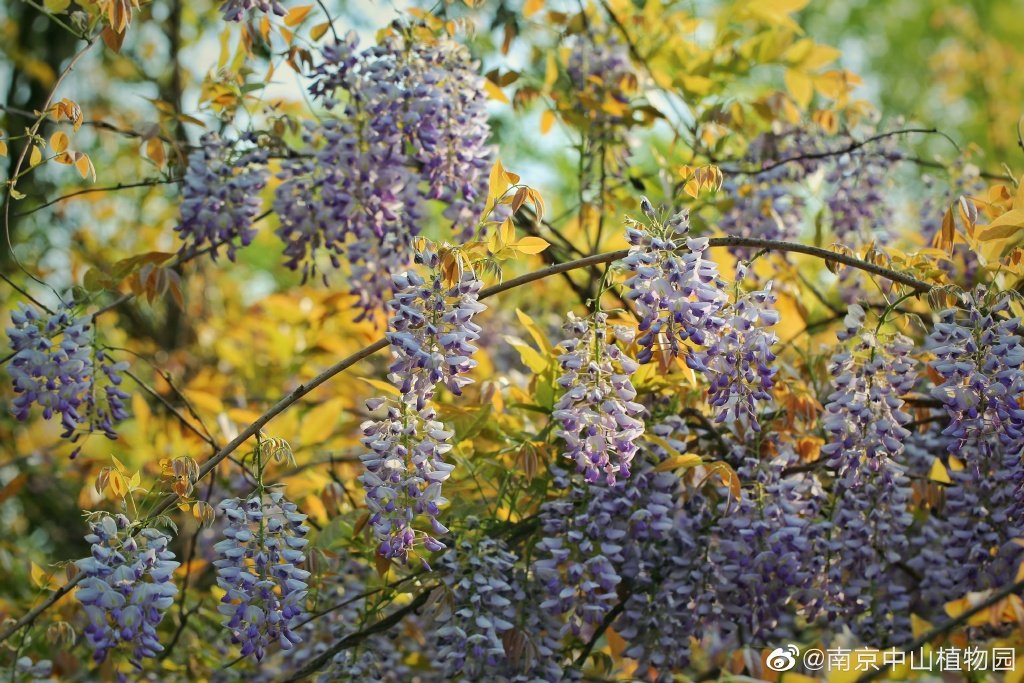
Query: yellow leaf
[(85, 167), (547, 119), (59, 141), (692, 188), (535, 332), (3, 148), (938, 473), (530, 356), (495, 92), (318, 31), (56, 6), (320, 422), (296, 15), (36, 157), (204, 400), (682, 461), (1004, 226), (800, 86), (531, 245), (118, 486), (698, 85), (821, 55), (155, 151), (40, 577), (550, 71), (531, 7), (498, 183)]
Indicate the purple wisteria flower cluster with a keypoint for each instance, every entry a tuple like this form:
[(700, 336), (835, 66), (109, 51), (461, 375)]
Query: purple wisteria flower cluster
[(770, 203), (221, 196), (602, 77), (484, 600), (864, 415), (677, 292), (597, 416), (259, 568), (866, 423), (978, 351), (431, 331), (240, 10), (768, 551), (56, 365), (413, 128), (738, 363), (127, 588)]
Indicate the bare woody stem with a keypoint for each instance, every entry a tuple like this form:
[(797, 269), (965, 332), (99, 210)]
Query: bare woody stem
[(305, 388)]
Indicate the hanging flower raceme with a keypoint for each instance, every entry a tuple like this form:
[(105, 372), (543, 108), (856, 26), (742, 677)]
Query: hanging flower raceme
[(870, 518), (221, 196), (432, 330), (602, 79), (55, 365), (405, 468), (978, 354), (738, 362), (240, 10), (127, 588), (480, 579), (259, 568), (413, 128), (431, 334), (864, 413), (597, 416), (677, 292)]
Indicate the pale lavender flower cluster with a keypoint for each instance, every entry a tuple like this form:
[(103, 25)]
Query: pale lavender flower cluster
[(767, 552), (864, 414), (978, 354), (600, 73), (857, 184), (738, 362), (32, 671), (259, 568), (677, 292), (55, 365), (431, 334), (127, 588), (597, 537), (866, 587), (597, 416), (480, 577), (221, 196), (432, 331), (866, 424), (239, 10), (414, 128), (380, 657), (405, 469)]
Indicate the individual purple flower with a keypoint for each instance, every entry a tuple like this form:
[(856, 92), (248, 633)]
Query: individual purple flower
[(259, 568), (127, 588), (57, 366), (240, 10), (405, 469), (597, 416), (221, 196), (676, 291)]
